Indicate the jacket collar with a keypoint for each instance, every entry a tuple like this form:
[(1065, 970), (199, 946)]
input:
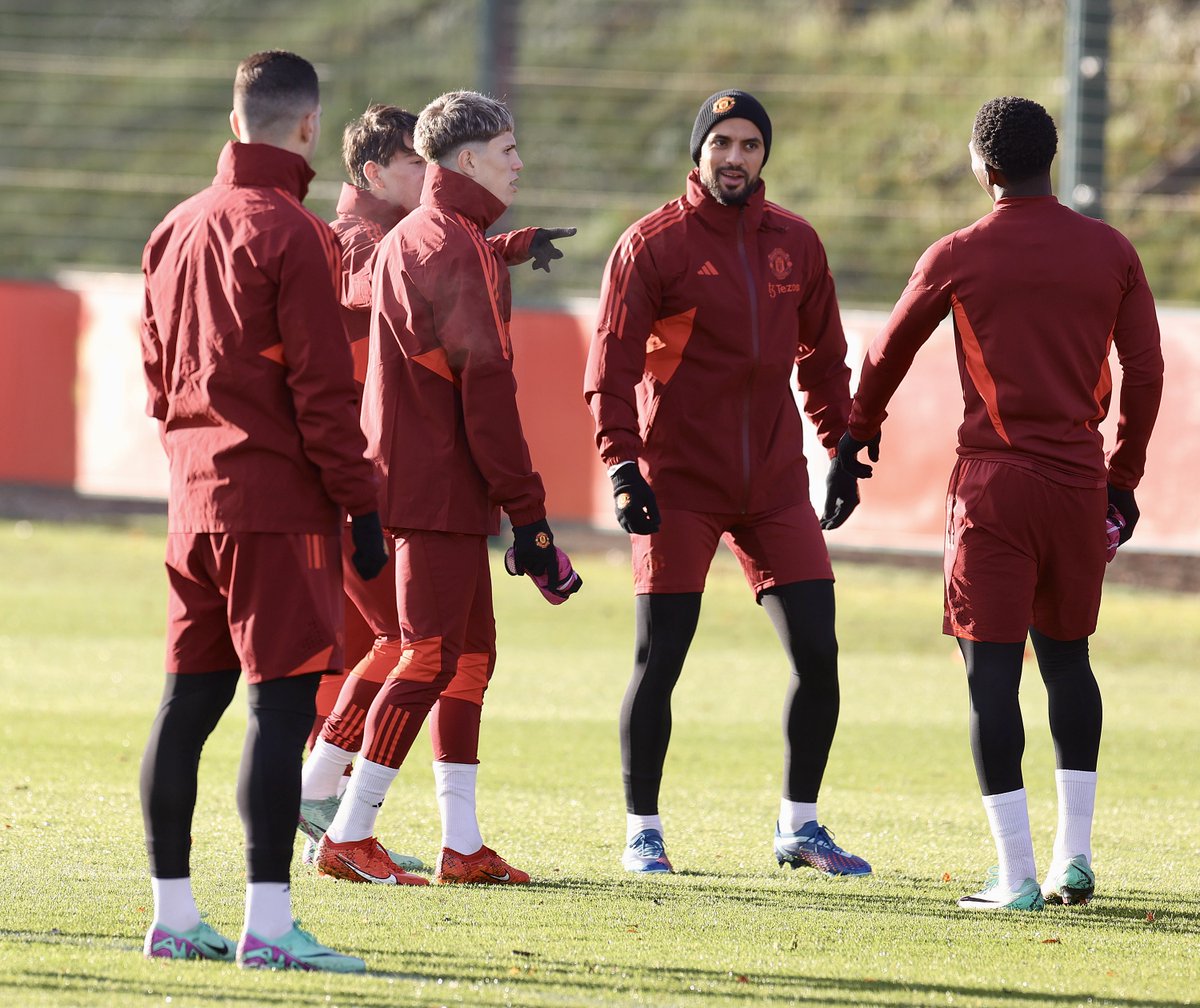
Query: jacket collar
[(451, 190), (355, 202), (258, 164), (719, 215)]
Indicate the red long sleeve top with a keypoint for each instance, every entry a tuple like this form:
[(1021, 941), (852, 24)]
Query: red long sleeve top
[(705, 309), (439, 404), (1039, 294), (245, 359)]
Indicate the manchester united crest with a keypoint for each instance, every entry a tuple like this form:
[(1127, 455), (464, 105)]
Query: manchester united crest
[(723, 105), (780, 263)]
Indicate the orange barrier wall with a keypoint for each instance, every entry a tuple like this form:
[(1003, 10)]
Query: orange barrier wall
[(39, 332), (549, 351), (72, 414)]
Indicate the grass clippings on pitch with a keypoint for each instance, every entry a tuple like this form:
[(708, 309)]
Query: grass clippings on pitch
[(81, 612)]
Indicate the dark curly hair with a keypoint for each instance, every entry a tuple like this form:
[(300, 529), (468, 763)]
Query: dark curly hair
[(1015, 136)]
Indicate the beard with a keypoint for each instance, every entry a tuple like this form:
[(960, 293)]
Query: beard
[(712, 182)]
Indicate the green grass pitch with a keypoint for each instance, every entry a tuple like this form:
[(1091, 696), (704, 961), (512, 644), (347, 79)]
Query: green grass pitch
[(81, 614)]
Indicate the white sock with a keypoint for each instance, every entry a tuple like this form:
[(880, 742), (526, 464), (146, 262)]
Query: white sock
[(355, 819), (323, 771), (634, 824), (1076, 807), (174, 904), (342, 784), (269, 909), (1008, 816), (794, 814), (455, 786)]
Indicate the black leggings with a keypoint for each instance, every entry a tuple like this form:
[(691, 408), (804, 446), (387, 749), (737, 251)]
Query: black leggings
[(997, 731), (803, 615), (268, 792)]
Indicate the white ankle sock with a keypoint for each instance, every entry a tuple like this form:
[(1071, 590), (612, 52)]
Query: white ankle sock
[(355, 819), (1008, 816), (174, 904), (323, 771), (455, 786), (794, 814), (269, 909), (1076, 807), (634, 824)]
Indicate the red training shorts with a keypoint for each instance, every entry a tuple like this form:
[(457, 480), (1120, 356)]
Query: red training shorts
[(444, 596), (775, 548), (1021, 550), (265, 602)]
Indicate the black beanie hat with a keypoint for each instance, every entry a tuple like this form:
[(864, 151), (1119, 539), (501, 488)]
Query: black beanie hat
[(730, 104)]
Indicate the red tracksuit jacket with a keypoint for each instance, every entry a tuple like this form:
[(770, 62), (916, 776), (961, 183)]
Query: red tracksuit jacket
[(362, 221), (439, 405), (705, 309), (1039, 294), (245, 359)]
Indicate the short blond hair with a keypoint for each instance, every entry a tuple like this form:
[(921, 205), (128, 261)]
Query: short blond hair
[(457, 118)]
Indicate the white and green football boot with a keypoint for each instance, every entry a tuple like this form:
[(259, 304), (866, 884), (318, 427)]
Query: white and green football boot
[(296, 950), (1071, 882), (994, 896), (200, 942)]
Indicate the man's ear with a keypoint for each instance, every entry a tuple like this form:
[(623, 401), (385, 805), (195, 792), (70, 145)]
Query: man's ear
[(308, 125), (370, 172), (465, 160), (235, 124)]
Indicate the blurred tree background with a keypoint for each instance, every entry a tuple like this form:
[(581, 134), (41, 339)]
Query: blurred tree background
[(114, 112)]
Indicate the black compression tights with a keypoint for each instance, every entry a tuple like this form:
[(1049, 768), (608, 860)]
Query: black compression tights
[(665, 625), (281, 714), (803, 615), (190, 709), (268, 791), (996, 729)]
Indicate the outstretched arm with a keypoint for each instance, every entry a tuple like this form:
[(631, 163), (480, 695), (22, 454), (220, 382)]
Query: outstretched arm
[(516, 247)]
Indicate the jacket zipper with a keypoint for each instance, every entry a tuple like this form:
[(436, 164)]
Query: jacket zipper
[(746, 402)]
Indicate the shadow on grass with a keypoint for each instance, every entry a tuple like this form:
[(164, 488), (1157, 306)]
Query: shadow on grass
[(919, 899), (16, 990), (612, 981), (543, 978)]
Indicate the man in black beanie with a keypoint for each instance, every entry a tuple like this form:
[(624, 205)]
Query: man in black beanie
[(707, 306)]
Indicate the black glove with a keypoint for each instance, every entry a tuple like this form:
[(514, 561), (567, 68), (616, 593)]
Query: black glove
[(1123, 501), (847, 453), (841, 485), (841, 495), (370, 551), (637, 510), (542, 248), (533, 549)]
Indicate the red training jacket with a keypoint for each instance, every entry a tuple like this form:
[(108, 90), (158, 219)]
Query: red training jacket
[(362, 221), (704, 311), (245, 360), (439, 405), (1039, 294)]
